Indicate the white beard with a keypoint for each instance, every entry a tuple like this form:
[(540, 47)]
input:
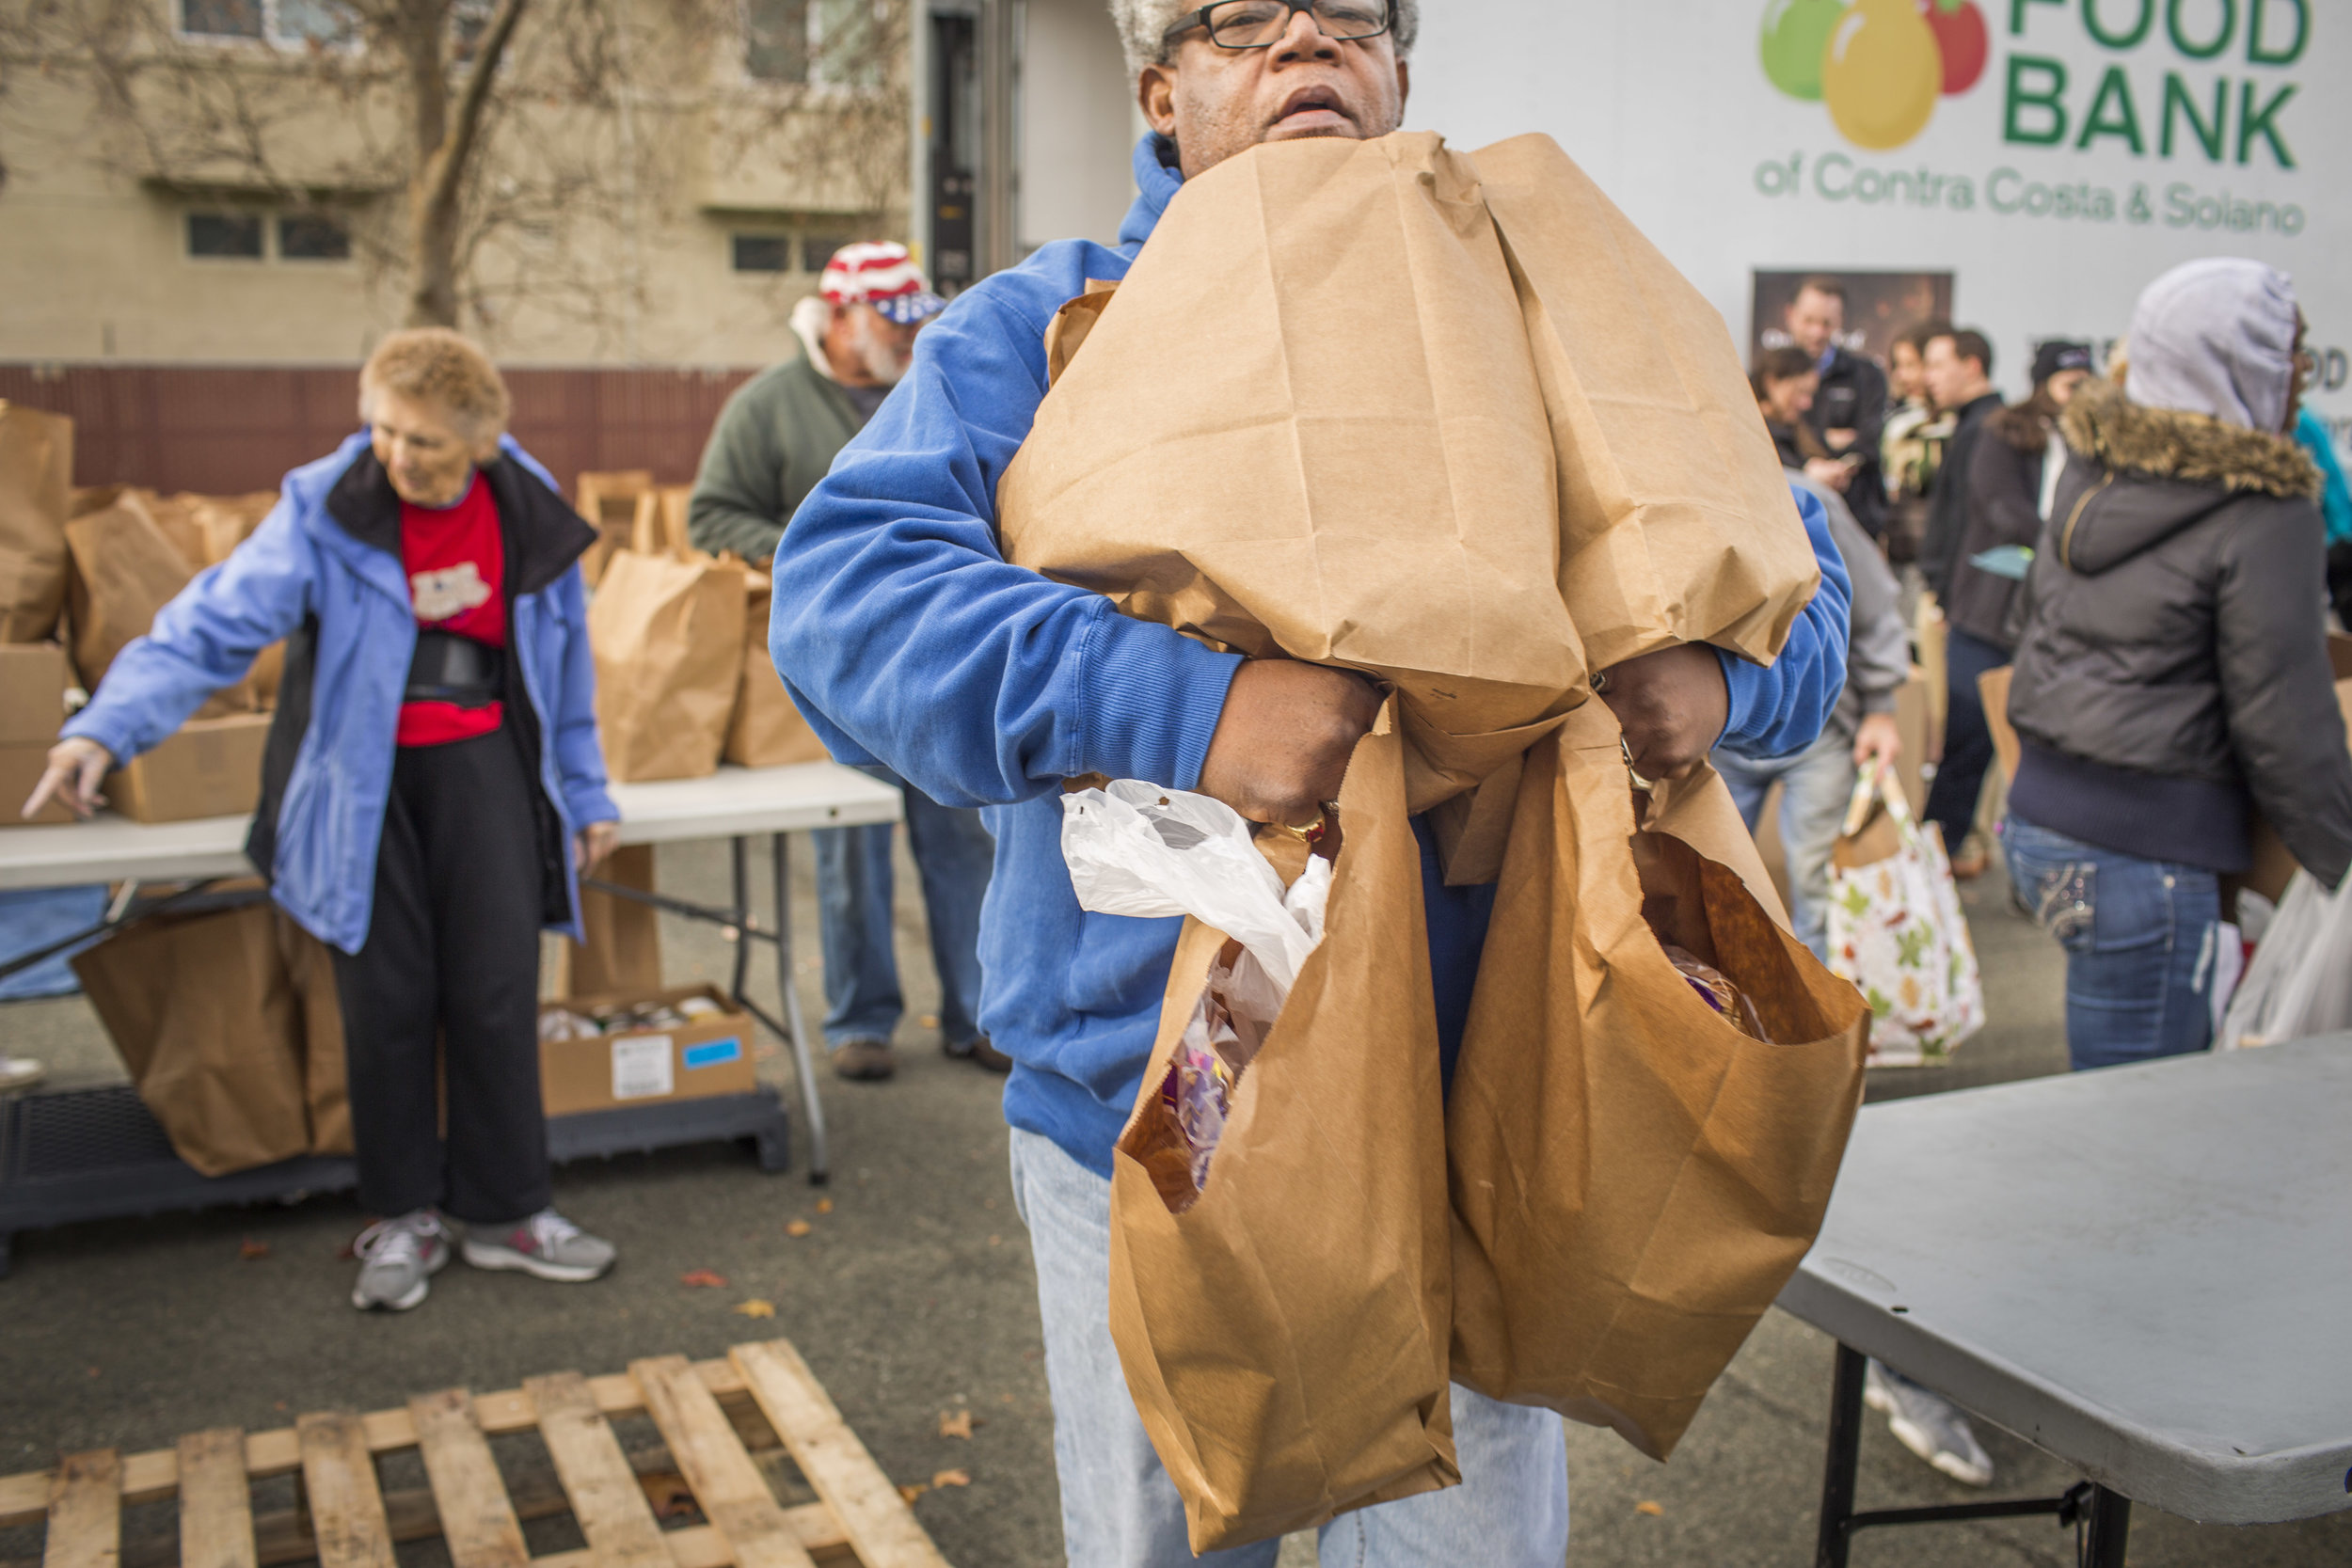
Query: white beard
[(878, 354)]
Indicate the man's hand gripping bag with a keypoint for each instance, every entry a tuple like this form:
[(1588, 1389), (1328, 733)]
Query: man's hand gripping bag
[(1285, 1335), (1634, 1177)]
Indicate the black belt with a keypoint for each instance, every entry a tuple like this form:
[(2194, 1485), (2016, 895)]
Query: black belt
[(452, 669)]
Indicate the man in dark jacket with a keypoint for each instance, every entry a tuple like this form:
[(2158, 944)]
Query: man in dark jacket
[(2173, 673), (1850, 405), (1959, 371), (2011, 475), (773, 441)]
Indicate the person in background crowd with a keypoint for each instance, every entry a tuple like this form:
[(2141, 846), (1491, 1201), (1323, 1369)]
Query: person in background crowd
[(1017, 683), (774, 440), (432, 785), (1850, 405), (1817, 782), (1784, 382), (2335, 505), (2173, 671), (2011, 476), (1959, 369), (1912, 447)]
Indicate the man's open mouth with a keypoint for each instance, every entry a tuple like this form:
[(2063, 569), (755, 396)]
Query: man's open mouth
[(1312, 106)]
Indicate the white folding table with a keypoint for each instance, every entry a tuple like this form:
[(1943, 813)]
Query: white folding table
[(2144, 1271), (735, 804)]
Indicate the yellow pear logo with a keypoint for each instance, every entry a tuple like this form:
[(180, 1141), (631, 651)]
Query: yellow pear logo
[(1878, 65)]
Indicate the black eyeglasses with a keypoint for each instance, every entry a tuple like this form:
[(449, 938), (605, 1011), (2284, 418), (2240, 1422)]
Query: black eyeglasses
[(1262, 24)]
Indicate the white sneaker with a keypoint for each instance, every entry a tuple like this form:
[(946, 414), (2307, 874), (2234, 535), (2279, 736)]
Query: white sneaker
[(398, 1259), (1929, 1425), (19, 1072), (547, 1246)]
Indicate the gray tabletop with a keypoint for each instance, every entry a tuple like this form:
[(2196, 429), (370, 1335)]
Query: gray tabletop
[(2146, 1271)]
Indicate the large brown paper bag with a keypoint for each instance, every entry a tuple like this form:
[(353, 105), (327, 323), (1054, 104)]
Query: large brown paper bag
[(211, 1026), (1308, 422), (668, 638), (36, 476), (325, 1091), (1675, 522), (1634, 1179), (623, 953), (1284, 1337), (767, 730), (608, 503), (125, 569)]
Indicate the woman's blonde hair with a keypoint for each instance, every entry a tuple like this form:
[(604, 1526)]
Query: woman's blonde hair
[(435, 365)]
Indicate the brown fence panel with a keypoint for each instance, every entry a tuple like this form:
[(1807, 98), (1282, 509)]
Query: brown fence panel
[(222, 430)]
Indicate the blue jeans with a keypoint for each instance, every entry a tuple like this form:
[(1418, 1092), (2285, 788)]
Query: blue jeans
[(1119, 1509), (2139, 936), (1819, 786), (1967, 738), (954, 853)]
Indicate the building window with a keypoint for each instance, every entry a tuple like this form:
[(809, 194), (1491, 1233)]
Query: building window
[(314, 237), (763, 253), (289, 24), (831, 42), (775, 39), (225, 236), (818, 249)]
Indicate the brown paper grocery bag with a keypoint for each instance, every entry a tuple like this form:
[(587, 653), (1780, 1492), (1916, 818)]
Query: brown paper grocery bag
[(125, 569), (608, 503), (1308, 422), (1284, 1337), (767, 730), (1675, 521), (35, 474), (668, 637), (1633, 1178), (623, 953), (211, 1026), (325, 1091)]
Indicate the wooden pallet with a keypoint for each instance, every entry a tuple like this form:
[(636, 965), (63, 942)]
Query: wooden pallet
[(712, 1415)]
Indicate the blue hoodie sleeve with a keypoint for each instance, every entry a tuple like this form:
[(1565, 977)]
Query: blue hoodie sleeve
[(204, 640), (907, 638), (578, 749), (1781, 709)]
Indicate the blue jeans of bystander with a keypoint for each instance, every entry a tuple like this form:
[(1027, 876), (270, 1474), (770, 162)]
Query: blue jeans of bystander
[(2140, 939), (954, 852), (1119, 1510)]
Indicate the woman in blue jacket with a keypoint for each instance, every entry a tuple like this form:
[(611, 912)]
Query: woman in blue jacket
[(433, 781)]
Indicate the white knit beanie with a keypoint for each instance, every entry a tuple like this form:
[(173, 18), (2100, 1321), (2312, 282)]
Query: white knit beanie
[(2215, 337)]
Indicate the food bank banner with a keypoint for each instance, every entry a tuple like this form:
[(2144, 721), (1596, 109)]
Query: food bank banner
[(2052, 156)]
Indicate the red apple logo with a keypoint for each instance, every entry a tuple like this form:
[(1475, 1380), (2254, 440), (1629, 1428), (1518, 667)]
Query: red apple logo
[(1962, 37)]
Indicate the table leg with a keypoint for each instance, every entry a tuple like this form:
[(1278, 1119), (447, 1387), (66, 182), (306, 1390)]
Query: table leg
[(1845, 1453), (2110, 1529), (804, 1058), (743, 914)]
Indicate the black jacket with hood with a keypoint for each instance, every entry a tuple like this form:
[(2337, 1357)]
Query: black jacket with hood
[(2173, 671), (2004, 482)]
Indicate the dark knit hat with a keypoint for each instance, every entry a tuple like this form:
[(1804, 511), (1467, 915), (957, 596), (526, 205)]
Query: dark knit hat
[(2058, 355)]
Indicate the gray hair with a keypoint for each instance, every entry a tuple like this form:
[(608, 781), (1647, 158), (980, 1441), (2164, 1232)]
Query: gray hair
[(1144, 24)]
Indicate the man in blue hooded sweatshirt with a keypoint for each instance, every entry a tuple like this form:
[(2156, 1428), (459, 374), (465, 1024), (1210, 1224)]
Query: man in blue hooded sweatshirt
[(910, 640)]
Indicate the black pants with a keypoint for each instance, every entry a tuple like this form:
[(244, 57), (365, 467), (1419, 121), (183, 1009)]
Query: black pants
[(1967, 739), (453, 949)]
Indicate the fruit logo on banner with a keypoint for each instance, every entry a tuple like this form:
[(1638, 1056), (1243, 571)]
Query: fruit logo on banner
[(1880, 65)]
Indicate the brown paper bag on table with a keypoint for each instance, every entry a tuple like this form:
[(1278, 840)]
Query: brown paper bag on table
[(125, 570), (609, 503), (36, 476), (1667, 479), (211, 1026), (767, 730), (668, 639), (1634, 1179), (623, 953), (1328, 1188)]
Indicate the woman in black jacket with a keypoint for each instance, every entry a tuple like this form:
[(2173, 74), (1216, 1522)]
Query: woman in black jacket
[(2173, 671)]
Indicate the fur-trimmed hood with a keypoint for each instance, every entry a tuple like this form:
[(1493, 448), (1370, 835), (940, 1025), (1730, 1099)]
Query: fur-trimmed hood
[(2164, 471), (2164, 443)]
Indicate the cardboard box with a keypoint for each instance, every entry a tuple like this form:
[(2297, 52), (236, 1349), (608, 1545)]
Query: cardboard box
[(211, 767), (603, 1073), (34, 679), (20, 767)]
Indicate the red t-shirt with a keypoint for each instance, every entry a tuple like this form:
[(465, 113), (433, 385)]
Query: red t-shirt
[(456, 566)]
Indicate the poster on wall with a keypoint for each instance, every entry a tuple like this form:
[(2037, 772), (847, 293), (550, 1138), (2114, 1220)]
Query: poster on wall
[(1879, 307)]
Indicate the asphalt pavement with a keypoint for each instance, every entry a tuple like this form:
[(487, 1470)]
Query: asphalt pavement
[(907, 1285)]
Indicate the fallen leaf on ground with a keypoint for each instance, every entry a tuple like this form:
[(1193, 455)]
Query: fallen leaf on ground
[(928, 1021), (797, 1227), (667, 1492), (995, 1240), (912, 1490), (251, 1250), (824, 1206), (702, 1279), (1653, 1510), (951, 1478), (754, 1308), (957, 1425)]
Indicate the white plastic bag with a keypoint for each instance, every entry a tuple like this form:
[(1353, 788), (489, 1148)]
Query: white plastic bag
[(2300, 981), (1135, 848), (1897, 931)]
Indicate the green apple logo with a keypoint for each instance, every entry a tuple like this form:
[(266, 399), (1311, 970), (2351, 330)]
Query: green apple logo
[(1796, 37)]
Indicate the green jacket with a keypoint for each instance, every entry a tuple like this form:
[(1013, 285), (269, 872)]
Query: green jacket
[(773, 441)]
